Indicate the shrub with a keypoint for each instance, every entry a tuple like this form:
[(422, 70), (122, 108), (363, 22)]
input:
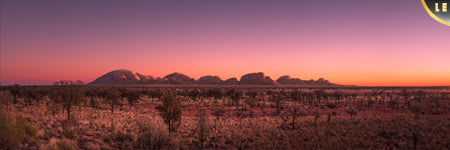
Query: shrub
[(29, 129), (123, 139), (64, 145), (153, 136), (331, 105), (11, 135)]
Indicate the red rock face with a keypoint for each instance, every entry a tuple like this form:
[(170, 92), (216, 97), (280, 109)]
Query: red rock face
[(287, 80), (322, 81), (145, 79), (231, 81), (210, 80), (178, 78), (256, 79), (290, 81), (117, 77)]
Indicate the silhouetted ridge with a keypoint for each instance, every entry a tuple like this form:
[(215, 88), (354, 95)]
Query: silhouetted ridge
[(123, 76)]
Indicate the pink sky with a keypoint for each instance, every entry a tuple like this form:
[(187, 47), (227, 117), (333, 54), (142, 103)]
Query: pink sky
[(375, 45)]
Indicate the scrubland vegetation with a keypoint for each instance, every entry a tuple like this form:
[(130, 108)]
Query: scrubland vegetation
[(69, 115)]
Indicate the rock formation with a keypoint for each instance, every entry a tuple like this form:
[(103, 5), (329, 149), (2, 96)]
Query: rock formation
[(231, 81), (290, 81), (123, 76), (177, 78), (256, 79), (210, 80)]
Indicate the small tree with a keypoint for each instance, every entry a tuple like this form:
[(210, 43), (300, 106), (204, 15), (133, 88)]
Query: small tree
[(234, 95), (252, 94), (111, 96), (6, 98), (405, 94), (216, 93), (294, 111), (132, 96), (218, 111), (436, 101), (251, 102), (277, 99), (16, 91), (69, 93), (296, 95), (416, 109), (194, 94), (351, 111), (316, 117), (32, 94), (170, 110), (203, 127)]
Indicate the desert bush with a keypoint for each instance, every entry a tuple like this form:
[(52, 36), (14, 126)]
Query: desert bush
[(14, 133), (11, 134), (331, 105), (29, 129), (152, 135), (63, 145), (123, 139)]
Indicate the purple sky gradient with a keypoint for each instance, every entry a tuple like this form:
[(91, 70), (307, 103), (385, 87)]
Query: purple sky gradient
[(381, 42)]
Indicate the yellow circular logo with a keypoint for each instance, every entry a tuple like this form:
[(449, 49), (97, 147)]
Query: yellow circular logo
[(438, 10)]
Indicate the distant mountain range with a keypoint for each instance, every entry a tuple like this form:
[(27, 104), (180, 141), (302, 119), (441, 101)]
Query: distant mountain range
[(124, 76)]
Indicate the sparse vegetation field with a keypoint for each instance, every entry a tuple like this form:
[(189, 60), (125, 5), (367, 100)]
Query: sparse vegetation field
[(70, 115)]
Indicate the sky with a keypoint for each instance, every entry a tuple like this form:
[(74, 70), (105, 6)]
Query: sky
[(351, 42)]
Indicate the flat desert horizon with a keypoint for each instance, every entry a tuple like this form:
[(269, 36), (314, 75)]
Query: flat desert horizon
[(206, 74)]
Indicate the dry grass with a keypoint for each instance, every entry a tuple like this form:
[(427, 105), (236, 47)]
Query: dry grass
[(324, 125)]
